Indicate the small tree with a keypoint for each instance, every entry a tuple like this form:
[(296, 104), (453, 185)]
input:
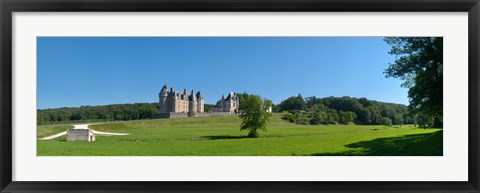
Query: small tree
[(318, 118), (346, 117), (423, 120), (254, 114), (387, 122), (288, 117)]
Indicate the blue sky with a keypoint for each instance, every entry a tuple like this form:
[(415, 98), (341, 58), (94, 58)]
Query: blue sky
[(75, 71)]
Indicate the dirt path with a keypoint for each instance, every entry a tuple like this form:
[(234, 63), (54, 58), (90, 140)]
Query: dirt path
[(54, 136), (83, 126), (107, 133)]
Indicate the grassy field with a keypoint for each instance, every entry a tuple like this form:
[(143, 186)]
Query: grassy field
[(47, 130), (220, 136)]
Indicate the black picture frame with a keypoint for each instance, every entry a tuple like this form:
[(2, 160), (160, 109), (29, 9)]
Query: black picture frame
[(10, 6)]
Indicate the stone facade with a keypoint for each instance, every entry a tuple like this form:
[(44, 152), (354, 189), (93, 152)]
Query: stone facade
[(192, 105), (80, 135), (174, 104), (177, 102), (227, 105)]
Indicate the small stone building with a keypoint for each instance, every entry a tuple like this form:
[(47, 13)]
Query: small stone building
[(80, 135)]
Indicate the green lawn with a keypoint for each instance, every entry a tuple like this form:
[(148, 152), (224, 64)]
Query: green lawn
[(220, 136), (47, 130)]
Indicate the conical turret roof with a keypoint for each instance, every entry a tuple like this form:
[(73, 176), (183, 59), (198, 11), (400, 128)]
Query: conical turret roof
[(199, 95), (229, 96), (192, 97), (164, 89)]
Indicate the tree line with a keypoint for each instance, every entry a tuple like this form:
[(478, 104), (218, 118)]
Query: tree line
[(343, 110), (310, 110), (419, 63), (114, 112)]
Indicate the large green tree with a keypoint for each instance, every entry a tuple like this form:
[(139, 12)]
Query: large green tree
[(423, 120), (293, 103), (419, 63), (253, 113)]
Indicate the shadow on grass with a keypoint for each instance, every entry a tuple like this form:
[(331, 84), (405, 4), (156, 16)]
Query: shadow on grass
[(428, 144), (217, 137)]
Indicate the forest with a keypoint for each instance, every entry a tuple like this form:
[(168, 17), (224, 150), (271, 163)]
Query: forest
[(309, 110), (343, 110), (114, 112)]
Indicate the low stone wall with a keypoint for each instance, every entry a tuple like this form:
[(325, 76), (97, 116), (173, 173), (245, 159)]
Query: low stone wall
[(184, 115), (168, 115), (213, 114)]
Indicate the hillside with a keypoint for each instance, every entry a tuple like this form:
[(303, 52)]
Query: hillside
[(210, 136)]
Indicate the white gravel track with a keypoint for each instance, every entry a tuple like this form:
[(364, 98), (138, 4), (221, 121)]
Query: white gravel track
[(54, 136), (82, 126)]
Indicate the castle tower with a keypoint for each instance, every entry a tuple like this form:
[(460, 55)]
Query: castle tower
[(171, 100), (229, 102), (183, 103), (236, 103), (200, 102), (163, 106), (192, 106), (222, 103)]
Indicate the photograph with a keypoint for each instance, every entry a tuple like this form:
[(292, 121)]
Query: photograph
[(239, 96)]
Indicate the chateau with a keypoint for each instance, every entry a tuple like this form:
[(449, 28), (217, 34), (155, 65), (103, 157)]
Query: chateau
[(229, 104), (173, 104), (176, 102)]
